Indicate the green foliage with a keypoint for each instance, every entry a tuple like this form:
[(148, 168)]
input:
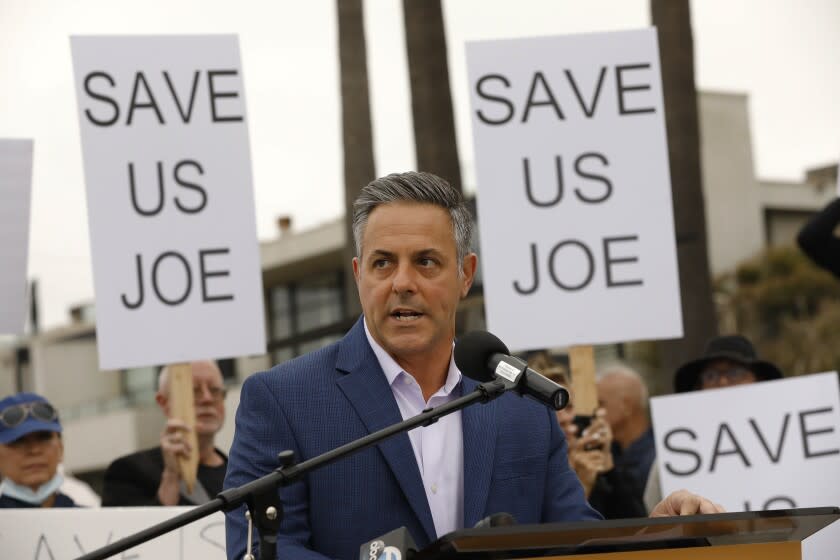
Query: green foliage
[(788, 306)]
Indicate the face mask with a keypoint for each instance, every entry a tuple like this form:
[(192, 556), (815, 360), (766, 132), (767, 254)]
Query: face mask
[(26, 494)]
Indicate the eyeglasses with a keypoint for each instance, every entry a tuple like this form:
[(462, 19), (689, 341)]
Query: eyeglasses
[(14, 415), (216, 393), (736, 374)]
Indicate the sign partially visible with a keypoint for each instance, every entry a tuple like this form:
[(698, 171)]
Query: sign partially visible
[(769, 445), (574, 191), (64, 534), (15, 196), (170, 198)]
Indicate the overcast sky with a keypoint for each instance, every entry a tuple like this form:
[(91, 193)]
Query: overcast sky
[(784, 53)]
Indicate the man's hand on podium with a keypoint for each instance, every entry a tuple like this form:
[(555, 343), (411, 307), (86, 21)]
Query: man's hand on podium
[(683, 502)]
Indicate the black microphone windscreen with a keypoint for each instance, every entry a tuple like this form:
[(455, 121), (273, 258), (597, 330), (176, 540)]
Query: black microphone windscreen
[(473, 352)]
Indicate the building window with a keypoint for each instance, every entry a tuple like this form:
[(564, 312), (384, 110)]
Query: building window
[(318, 302), (140, 384), (281, 312), (306, 315)]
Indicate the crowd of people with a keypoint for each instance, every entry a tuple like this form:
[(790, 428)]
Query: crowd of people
[(31, 450), (412, 233)]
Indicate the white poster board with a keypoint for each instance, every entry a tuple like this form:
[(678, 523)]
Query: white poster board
[(574, 192), (769, 445), (170, 198), (67, 533), (15, 196)]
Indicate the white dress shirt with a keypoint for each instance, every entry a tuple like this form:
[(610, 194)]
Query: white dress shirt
[(439, 448)]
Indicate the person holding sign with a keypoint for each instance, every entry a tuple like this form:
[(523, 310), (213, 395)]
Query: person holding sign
[(726, 361), (153, 477), (30, 452), (413, 266), (609, 488)]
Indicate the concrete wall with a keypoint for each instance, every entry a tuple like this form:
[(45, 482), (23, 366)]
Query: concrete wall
[(7, 370), (67, 371), (734, 223)]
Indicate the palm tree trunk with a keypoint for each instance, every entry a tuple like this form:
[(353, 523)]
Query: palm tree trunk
[(431, 98), (357, 137), (672, 19)]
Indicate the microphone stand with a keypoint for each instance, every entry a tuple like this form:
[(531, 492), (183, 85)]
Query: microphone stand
[(261, 495)]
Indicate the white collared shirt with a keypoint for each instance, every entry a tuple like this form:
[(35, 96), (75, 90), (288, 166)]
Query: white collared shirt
[(439, 448)]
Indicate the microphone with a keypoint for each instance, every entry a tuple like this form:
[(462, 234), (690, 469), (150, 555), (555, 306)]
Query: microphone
[(394, 545), (500, 519), (483, 357)]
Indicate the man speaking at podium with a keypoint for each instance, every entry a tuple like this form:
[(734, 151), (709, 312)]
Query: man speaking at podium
[(413, 265)]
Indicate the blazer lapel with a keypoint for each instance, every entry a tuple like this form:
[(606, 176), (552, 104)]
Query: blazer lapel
[(479, 427), (367, 389)]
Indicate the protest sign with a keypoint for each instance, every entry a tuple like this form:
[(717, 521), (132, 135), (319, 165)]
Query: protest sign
[(15, 196), (574, 199), (170, 198), (769, 445), (67, 533)]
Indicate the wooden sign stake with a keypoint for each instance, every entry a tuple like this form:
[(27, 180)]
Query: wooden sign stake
[(183, 408), (582, 364)]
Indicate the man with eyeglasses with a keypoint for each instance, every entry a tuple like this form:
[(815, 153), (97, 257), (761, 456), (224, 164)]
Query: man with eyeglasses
[(30, 452), (151, 477), (727, 360)]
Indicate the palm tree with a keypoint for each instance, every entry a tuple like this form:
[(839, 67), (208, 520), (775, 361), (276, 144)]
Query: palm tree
[(357, 137), (672, 19), (431, 100)]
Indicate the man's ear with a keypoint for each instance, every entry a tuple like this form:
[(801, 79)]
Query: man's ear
[(468, 269), (162, 401), (357, 269)]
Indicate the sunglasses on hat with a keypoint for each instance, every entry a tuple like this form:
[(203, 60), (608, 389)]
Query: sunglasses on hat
[(14, 415)]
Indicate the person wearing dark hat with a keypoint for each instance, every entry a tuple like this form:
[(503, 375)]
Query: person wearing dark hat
[(727, 360), (30, 452)]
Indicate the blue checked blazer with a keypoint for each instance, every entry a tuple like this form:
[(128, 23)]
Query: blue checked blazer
[(514, 456)]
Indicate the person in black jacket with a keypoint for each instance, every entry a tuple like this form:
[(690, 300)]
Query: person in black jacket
[(817, 239), (151, 477), (610, 489)]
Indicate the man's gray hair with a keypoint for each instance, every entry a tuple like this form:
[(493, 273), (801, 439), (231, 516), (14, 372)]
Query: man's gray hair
[(419, 187), (622, 370)]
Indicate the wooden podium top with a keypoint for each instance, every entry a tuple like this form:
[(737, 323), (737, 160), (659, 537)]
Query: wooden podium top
[(626, 535)]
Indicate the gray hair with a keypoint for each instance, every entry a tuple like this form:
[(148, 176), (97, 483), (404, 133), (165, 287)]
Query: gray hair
[(419, 187), (624, 371)]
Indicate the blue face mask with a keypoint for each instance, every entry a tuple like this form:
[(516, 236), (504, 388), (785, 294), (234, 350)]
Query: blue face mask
[(26, 494)]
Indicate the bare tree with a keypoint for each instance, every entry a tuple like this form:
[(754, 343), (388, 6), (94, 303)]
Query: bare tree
[(672, 19)]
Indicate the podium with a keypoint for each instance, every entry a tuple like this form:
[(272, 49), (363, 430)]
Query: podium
[(795, 534)]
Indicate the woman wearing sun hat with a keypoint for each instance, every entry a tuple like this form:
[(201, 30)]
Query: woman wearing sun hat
[(30, 452)]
